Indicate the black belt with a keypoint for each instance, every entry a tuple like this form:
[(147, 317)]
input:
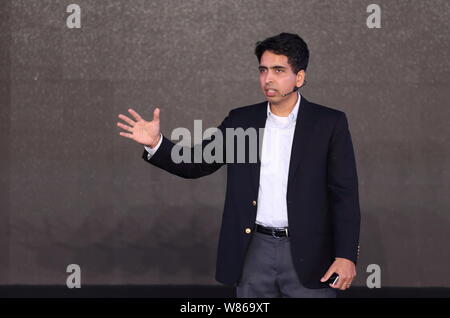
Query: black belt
[(276, 232)]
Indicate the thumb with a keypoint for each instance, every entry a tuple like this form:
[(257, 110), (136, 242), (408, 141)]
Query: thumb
[(156, 114), (327, 275)]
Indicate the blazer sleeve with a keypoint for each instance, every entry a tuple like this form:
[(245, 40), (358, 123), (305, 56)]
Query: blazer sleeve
[(191, 169), (342, 182)]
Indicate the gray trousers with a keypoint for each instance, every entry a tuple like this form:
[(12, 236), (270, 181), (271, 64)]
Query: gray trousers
[(269, 272)]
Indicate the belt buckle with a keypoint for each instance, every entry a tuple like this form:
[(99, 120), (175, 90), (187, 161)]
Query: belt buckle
[(274, 233)]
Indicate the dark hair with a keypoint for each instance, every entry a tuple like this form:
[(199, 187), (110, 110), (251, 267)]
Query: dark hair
[(288, 44)]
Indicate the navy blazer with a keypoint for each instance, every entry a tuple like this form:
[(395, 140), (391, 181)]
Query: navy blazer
[(322, 193)]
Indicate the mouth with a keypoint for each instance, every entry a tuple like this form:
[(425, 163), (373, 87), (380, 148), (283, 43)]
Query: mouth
[(270, 92)]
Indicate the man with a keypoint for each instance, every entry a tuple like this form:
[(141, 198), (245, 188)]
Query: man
[(291, 219)]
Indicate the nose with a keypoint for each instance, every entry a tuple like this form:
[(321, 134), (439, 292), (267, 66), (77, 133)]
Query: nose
[(268, 82), (268, 78)]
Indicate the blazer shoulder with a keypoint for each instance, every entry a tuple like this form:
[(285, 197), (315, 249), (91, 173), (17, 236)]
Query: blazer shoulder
[(326, 111), (330, 116), (248, 109)]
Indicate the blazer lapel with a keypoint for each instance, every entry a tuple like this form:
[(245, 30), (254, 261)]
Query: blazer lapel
[(302, 137), (260, 122)]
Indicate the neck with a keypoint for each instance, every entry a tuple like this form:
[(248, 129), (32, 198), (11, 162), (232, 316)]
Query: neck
[(284, 107)]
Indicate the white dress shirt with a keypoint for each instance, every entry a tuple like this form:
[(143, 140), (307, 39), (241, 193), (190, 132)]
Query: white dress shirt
[(275, 158)]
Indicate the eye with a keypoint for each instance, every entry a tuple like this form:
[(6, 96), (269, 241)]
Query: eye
[(261, 70), (279, 70)]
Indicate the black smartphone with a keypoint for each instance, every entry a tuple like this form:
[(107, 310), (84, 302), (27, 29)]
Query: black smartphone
[(333, 279)]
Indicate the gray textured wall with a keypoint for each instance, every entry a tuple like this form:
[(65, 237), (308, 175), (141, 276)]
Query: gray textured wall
[(74, 191)]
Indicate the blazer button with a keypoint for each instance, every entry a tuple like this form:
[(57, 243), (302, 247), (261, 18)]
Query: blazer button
[(254, 203), (248, 230)]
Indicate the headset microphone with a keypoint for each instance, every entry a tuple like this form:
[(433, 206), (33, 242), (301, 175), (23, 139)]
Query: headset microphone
[(294, 90)]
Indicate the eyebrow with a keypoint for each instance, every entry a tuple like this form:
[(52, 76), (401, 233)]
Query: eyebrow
[(272, 67)]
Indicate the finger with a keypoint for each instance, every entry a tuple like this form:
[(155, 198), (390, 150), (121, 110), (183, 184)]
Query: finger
[(349, 283), (337, 286), (128, 120), (127, 135), (127, 128), (336, 283), (327, 274), (135, 115), (344, 287), (156, 114), (343, 284)]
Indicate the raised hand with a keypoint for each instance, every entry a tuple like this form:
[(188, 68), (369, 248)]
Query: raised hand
[(144, 132)]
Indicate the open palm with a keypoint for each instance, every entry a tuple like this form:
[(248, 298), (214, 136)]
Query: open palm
[(144, 132)]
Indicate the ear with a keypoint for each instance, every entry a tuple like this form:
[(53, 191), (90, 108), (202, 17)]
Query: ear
[(300, 78)]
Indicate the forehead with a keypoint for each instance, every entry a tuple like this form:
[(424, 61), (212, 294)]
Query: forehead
[(270, 59)]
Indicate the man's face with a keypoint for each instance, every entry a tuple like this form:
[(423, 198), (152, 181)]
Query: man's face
[(276, 77)]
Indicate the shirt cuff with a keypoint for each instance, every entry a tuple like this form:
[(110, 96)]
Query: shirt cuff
[(152, 151)]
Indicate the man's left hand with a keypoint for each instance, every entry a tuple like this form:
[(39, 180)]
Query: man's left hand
[(346, 270)]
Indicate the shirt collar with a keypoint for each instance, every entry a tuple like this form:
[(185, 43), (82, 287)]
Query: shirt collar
[(293, 114)]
